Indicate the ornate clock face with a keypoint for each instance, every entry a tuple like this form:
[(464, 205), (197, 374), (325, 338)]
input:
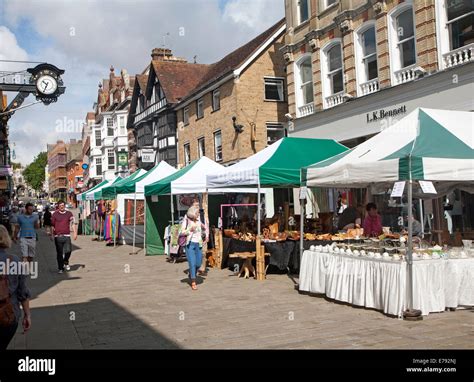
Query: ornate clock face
[(46, 84)]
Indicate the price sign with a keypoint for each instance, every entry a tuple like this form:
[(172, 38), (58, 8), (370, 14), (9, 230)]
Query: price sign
[(397, 190), (427, 187)]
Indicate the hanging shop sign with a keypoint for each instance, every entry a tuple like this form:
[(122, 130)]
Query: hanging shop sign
[(122, 159), (148, 155)]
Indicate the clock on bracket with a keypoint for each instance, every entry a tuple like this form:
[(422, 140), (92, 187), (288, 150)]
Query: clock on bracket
[(46, 84)]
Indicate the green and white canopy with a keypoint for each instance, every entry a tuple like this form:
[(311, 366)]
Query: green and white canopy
[(428, 144), (160, 171), (97, 193), (190, 180), (120, 187), (82, 196), (278, 165)]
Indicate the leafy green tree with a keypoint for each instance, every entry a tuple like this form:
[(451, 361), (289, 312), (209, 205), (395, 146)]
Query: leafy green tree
[(34, 172)]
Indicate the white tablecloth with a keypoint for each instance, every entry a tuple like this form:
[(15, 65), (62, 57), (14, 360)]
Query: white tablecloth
[(381, 284)]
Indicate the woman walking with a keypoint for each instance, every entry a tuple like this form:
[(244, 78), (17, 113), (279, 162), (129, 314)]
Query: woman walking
[(47, 220), (13, 293), (194, 230)]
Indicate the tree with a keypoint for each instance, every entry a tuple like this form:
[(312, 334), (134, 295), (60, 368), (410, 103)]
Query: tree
[(34, 172)]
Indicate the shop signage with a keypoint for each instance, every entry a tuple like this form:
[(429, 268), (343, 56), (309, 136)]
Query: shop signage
[(385, 113), (6, 171), (148, 155), (123, 159)]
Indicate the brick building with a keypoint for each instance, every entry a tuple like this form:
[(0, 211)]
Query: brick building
[(57, 159), (353, 66), (239, 104), (74, 170)]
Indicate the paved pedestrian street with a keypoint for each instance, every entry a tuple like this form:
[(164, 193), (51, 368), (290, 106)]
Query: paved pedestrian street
[(113, 300)]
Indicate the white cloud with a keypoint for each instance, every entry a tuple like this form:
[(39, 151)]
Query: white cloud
[(9, 49)]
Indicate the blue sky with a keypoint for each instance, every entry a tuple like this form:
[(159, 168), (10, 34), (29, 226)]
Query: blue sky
[(86, 38)]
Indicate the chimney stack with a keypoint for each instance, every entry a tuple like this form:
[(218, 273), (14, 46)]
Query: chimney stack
[(165, 54)]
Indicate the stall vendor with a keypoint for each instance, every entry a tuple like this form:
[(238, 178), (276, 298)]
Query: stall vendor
[(350, 218), (372, 222)]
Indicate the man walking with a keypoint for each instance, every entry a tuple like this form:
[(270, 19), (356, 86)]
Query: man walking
[(62, 223), (27, 224)]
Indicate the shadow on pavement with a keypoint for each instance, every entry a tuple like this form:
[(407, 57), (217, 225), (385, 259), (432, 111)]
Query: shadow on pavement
[(97, 324)]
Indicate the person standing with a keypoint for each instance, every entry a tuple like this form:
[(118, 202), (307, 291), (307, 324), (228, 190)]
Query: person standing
[(62, 223), (13, 293), (372, 222), (193, 229), (13, 220), (47, 220), (27, 224)]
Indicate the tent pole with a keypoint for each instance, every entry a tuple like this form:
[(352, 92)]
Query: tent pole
[(258, 209), (115, 224), (410, 244), (134, 220), (302, 216), (172, 209), (144, 222)]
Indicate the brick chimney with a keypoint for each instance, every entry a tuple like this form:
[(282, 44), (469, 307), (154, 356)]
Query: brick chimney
[(165, 54)]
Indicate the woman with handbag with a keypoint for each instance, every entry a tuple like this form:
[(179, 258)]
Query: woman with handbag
[(13, 292), (192, 229)]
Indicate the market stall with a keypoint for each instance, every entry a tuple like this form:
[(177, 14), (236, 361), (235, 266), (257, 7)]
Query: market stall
[(116, 191), (88, 212), (430, 152), (277, 166), (133, 194), (162, 202)]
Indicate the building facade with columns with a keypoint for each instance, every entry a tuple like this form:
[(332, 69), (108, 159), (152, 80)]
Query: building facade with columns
[(356, 66)]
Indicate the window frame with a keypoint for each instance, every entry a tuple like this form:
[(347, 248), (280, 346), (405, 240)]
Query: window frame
[(216, 151), (200, 101), (202, 153), (109, 127), (327, 86), (361, 67), (98, 137), (98, 165), (275, 126), (110, 157), (186, 115), (298, 11), (298, 82), (395, 56), (187, 153), (276, 80), (214, 93)]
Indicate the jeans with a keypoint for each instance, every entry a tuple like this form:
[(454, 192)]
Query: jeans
[(63, 250), (194, 256), (6, 335)]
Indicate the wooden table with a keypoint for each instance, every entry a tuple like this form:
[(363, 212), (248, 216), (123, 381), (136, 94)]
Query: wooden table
[(247, 267)]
